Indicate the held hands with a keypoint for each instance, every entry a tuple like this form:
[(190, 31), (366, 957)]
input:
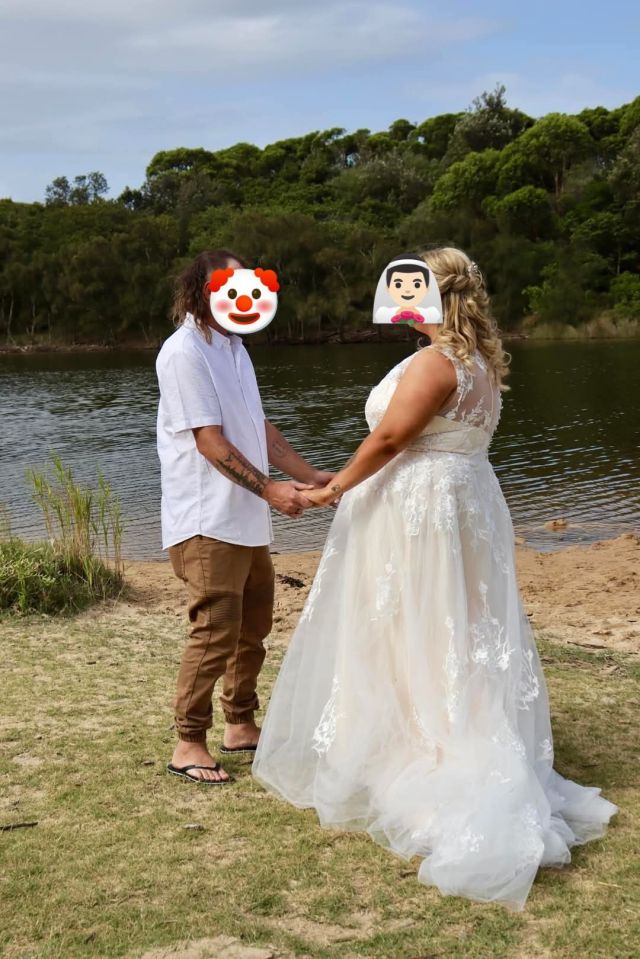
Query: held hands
[(287, 496), (329, 495), (292, 498)]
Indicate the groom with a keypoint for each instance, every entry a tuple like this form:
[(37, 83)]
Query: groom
[(215, 447)]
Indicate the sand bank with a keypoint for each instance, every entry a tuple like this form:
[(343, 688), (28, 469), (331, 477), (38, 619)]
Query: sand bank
[(584, 595)]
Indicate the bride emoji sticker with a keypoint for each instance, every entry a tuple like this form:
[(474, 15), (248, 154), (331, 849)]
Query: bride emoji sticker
[(243, 301), (407, 292)]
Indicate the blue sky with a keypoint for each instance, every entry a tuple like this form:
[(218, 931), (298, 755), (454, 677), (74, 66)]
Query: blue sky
[(104, 85)]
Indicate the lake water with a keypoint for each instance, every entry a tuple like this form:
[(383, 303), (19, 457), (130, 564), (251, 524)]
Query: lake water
[(567, 444)]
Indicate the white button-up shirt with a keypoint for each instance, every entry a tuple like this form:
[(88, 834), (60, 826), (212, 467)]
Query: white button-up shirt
[(209, 384)]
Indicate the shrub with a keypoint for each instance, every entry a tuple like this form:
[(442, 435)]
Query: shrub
[(625, 292), (39, 578), (563, 296), (81, 561)]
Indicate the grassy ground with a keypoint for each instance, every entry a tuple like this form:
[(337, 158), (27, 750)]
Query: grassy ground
[(112, 868)]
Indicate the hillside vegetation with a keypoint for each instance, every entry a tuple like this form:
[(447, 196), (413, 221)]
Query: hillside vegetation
[(548, 207)]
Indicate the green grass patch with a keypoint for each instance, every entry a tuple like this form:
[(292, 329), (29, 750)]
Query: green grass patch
[(111, 871), (38, 577)]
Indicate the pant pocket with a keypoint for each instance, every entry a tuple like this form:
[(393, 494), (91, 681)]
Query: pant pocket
[(176, 556)]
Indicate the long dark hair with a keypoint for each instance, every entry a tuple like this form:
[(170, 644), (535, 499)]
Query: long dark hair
[(190, 295)]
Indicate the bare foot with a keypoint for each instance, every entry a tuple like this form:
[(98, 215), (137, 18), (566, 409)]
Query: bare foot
[(186, 754), (237, 735)]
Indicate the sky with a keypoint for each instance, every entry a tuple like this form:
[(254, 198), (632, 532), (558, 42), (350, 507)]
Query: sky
[(104, 85)]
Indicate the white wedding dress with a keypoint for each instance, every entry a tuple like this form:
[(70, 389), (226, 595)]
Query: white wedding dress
[(411, 702)]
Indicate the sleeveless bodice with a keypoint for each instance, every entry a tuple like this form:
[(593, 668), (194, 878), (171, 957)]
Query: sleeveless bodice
[(466, 422)]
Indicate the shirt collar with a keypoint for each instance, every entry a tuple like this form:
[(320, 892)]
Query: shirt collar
[(218, 340)]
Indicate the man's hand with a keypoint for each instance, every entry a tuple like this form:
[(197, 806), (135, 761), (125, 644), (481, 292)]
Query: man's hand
[(286, 497)]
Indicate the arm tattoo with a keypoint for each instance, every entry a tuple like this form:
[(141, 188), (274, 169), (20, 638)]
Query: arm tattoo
[(336, 488), (278, 449), (242, 472)]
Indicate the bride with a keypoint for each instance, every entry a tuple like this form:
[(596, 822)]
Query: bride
[(411, 702)]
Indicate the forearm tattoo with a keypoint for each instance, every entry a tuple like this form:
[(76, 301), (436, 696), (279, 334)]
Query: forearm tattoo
[(336, 488), (242, 472)]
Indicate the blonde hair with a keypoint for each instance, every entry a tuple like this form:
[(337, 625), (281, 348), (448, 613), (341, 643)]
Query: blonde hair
[(468, 324)]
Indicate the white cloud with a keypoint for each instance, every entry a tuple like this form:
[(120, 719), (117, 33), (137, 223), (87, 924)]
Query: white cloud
[(86, 84), (75, 12), (78, 77), (318, 38)]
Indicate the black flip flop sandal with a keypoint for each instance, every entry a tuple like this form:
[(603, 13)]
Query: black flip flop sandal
[(183, 772), (238, 749)]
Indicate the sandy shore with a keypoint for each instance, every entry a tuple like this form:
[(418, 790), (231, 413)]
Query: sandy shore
[(583, 595)]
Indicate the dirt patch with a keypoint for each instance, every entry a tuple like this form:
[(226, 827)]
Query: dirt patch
[(24, 759), (360, 926), (221, 947)]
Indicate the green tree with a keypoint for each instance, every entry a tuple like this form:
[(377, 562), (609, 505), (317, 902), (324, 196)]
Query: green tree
[(384, 188), (563, 297), (526, 212), (489, 124), (86, 188), (625, 294), (467, 183), (58, 192), (434, 135), (550, 209), (544, 153)]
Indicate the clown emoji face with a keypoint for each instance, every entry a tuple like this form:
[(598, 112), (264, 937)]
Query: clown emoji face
[(243, 301)]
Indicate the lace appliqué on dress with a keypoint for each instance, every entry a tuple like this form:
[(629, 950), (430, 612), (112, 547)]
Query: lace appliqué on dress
[(387, 601), (529, 685), (307, 612), (531, 843), (479, 416), (453, 673), (490, 647), (507, 737), (545, 750), (483, 407), (325, 732)]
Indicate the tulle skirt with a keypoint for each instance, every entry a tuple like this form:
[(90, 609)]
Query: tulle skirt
[(412, 703)]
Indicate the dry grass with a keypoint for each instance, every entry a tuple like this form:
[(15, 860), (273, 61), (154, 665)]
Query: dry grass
[(603, 327), (110, 869)]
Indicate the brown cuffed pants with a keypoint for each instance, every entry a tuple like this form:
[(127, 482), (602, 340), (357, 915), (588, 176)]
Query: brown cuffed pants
[(230, 610)]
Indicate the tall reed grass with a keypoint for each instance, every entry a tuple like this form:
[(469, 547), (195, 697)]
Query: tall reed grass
[(603, 327), (81, 560)]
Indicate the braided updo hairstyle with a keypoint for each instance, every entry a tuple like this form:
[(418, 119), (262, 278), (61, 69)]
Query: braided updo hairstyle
[(190, 293), (468, 324)]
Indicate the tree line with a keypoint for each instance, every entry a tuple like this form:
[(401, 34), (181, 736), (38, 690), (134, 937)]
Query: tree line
[(548, 207)]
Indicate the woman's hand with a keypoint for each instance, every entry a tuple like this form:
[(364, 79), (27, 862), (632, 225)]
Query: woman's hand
[(327, 496)]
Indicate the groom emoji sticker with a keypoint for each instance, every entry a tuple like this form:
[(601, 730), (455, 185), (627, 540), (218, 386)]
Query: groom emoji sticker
[(407, 292), (243, 301)]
